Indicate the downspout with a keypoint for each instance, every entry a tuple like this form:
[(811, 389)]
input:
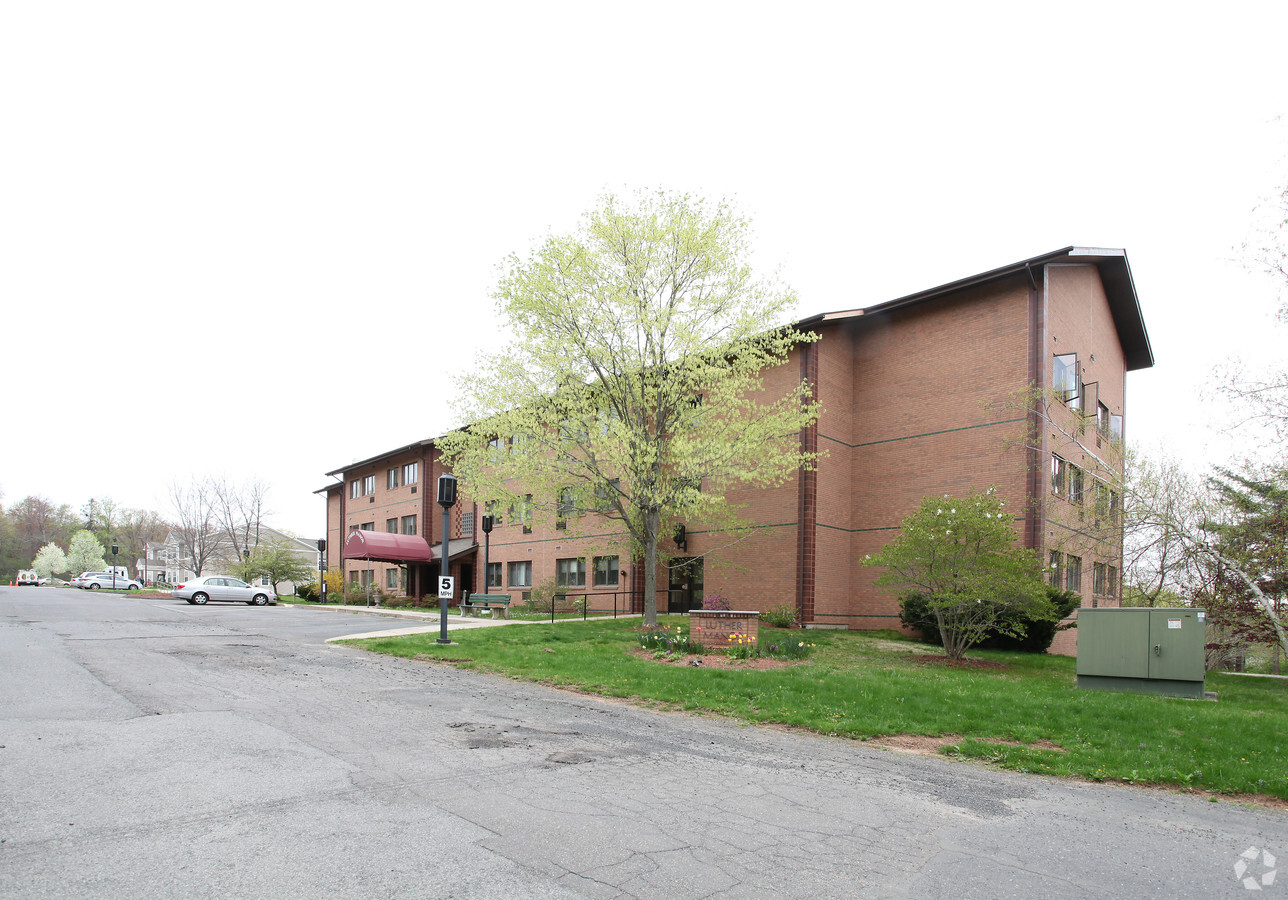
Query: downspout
[(807, 498), (1035, 453)]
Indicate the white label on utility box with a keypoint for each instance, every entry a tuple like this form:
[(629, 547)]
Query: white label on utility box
[(446, 588), (1174, 623)]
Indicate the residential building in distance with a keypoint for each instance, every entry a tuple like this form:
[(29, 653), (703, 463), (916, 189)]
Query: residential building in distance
[(1014, 378), (169, 562)]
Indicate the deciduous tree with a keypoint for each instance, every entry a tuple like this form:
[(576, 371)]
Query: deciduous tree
[(50, 561), (958, 553), (632, 385), (85, 554)]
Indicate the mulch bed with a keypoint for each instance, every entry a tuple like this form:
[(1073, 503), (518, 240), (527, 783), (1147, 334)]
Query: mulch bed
[(715, 661)]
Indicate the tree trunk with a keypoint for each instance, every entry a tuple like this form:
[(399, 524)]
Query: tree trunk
[(651, 517)]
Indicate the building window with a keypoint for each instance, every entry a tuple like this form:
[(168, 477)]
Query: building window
[(521, 574), (392, 478), (368, 526), (605, 494), (352, 529), (411, 473), (391, 525), (1055, 573), (605, 571), (495, 449), (353, 576), (493, 575), (1114, 506), (368, 577), (1075, 485), (1111, 577), (467, 523), (564, 508), (408, 524), (521, 511), (355, 489), (1073, 573), (570, 573), (1102, 419), (1059, 476), (493, 508), (391, 579), (1066, 379), (369, 484), (1098, 579), (1115, 427)]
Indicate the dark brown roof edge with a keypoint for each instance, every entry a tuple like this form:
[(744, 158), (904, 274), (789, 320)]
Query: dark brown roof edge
[(378, 456), (1115, 274)]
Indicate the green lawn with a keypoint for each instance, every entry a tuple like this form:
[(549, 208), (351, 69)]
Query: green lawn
[(866, 685)]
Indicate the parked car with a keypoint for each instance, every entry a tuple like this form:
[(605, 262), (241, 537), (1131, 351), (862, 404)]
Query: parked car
[(100, 580), (79, 580), (225, 588)]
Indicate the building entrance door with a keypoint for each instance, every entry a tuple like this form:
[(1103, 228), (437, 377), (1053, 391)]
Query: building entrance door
[(685, 588)]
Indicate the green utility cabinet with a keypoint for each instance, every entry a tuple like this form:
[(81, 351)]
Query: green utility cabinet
[(1156, 651)]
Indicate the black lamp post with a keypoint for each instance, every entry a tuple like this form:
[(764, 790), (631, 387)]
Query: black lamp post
[(322, 569), (487, 541), (115, 549), (446, 499)]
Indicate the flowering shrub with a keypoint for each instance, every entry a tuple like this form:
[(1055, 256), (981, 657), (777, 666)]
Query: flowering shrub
[(716, 602)]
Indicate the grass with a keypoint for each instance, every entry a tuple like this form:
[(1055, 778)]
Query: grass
[(867, 685)]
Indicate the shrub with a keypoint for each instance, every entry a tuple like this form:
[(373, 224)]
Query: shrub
[(782, 616), (310, 591), (541, 597), (915, 613)]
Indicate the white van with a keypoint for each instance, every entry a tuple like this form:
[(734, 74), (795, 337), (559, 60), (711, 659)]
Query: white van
[(28, 576)]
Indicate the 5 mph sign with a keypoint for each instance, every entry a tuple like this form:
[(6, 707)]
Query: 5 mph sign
[(446, 588)]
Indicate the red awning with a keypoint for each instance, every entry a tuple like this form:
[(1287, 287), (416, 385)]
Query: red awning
[(384, 547)]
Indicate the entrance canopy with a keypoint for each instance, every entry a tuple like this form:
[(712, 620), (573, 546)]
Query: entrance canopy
[(381, 546)]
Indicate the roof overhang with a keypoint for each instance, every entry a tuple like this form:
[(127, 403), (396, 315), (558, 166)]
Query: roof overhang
[(1115, 275), (380, 546)]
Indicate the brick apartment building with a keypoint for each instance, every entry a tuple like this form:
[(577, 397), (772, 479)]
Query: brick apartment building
[(921, 395)]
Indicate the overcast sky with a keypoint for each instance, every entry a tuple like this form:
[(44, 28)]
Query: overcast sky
[(251, 239)]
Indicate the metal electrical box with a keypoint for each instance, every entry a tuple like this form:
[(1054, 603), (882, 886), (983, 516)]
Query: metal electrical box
[(1149, 650)]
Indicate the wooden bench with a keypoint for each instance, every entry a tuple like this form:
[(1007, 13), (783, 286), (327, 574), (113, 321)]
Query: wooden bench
[(494, 602)]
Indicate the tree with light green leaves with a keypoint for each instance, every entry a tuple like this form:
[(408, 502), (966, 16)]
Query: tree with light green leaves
[(50, 561), (958, 553), (277, 559), (632, 384), (85, 554)]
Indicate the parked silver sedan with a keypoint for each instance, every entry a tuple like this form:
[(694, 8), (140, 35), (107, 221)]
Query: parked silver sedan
[(97, 580), (225, 588)]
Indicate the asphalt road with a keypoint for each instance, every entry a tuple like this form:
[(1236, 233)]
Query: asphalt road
[(156, 749)]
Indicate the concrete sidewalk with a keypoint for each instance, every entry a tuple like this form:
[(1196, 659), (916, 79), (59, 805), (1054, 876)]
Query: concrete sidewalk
[(430, 620)]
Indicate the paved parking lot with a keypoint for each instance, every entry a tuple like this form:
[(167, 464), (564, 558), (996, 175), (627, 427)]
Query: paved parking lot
[(163, 750)]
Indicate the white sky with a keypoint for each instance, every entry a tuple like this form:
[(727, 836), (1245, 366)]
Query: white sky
[(250, 239)]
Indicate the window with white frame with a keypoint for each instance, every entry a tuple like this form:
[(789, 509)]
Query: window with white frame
[(391, 579), (1059, 476), (408, 524), (493, 575), (391, 478), (369, 484), (355, 489), (1066, 379), (411, 473)]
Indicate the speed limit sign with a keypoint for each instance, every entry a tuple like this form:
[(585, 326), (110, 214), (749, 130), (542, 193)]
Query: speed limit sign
[(446, 588)]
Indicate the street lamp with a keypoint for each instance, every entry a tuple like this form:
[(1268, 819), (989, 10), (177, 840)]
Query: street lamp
[(446, 499), (487, 541), (115, 549), (322, 569)]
